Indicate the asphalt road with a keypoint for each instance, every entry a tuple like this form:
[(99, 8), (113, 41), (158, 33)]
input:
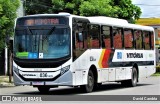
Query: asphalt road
[(146, 86)]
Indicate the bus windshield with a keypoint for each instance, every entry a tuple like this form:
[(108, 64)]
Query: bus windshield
[(42, 43)]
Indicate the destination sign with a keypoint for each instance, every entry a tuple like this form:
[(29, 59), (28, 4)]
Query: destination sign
[(31, 22), (35, 21)]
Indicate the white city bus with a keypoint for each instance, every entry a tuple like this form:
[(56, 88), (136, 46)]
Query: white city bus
[(52, 50)]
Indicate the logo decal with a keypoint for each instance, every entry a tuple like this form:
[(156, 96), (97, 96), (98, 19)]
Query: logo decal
[(32, 55), (119, 55), (6, 98), (135, 55)]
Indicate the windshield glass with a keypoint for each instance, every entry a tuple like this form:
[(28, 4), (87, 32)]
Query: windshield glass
[(42, 43)]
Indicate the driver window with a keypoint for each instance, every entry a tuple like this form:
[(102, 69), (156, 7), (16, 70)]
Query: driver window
[(79, 34)]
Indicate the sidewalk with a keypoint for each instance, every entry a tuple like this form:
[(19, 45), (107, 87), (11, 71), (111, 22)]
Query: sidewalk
[(4, 82)]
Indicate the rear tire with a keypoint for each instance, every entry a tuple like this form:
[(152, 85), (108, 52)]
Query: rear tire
[(90, 83), (43, 89), (134, 79)]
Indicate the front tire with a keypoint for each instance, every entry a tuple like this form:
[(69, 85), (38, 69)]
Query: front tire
[(90, 83)]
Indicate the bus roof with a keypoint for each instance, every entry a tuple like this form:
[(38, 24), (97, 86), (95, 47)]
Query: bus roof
[(135, 26), (106, 20), (117, 22)]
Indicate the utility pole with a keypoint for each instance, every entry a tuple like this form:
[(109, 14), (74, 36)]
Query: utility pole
[(10, 67), (6, 59)]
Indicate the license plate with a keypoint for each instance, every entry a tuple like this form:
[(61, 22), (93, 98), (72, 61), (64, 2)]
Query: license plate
[(37, 83), (43, 75)]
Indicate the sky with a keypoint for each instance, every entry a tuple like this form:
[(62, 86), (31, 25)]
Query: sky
[(149, 8)]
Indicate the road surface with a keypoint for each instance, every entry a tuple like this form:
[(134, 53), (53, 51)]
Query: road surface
[(146, 86)]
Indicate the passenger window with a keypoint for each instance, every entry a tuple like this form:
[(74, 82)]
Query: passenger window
[(138, 39), (106, 37), (128, 38), (117, 37), (146, 40), (94, 32), (152, 40)]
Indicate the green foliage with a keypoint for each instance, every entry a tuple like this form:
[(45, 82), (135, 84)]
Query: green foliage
[(98, 7), (8, 9), (58, 5), (126, 10), (113, 8), (156, 74), (70, 6), (38, 6)]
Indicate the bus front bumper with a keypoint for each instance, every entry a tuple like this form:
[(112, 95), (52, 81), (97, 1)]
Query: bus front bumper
[(60, 80)]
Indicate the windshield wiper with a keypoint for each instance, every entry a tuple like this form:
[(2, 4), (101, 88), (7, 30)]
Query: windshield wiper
[(49, 32), (34, 45), (29, 31)]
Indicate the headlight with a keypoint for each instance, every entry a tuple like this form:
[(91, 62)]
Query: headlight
[(65, 69), (16, 70)]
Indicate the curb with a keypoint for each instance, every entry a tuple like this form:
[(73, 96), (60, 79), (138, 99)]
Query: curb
[(5, 84)]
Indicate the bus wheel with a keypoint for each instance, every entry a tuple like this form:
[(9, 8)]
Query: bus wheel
[(90, 83), (43, 89), (133, 81), (134, 78)]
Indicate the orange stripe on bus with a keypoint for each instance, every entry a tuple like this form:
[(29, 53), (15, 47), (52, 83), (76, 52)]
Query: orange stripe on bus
[(104, 58), (101, 57)]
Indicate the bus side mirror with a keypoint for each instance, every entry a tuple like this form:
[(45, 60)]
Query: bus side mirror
[(80, 36)]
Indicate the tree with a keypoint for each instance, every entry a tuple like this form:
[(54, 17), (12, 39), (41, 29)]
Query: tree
[(123, 9), (70, 6), (99, 8), (126, 10), (38, 6), (8, 9)]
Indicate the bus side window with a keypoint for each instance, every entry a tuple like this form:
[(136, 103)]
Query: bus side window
[(138, 39), (94, 32), (128, 39), (146, 40), (79, 36), (106, 37), (117, 37), (152, 40)]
